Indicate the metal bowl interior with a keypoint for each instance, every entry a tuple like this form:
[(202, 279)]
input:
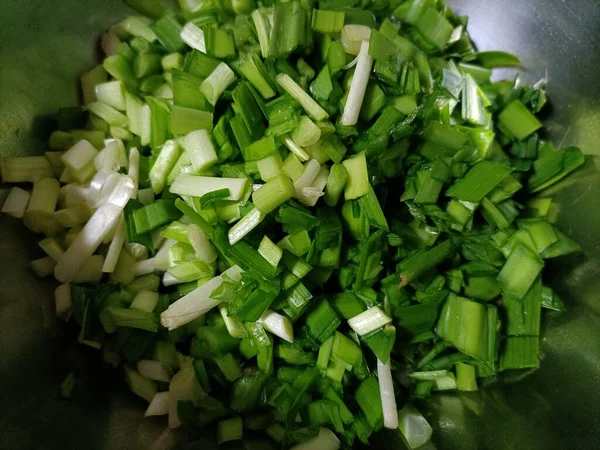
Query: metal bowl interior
[(43, 47)]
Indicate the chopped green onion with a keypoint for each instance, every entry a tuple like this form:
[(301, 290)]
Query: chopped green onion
[(193, 36), (369, 400), (273, 194), (310, 106), (324, 21), (469, 326), (197, 186), (248, 223), (16, 202), (358, 86), (516, 120), (369, 321), (414, 428), (387, 395), (479, 181), (322, 322), (465, 377), (346, 350), (216, 83), (229, 430), (187, 120), (277, 324), (357, 184), (520, 353), (271, 252)]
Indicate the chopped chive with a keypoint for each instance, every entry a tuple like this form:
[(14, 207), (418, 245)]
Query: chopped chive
[(273, 194)]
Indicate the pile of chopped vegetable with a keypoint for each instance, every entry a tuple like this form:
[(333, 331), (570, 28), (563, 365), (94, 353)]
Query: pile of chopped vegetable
[(288, 217)]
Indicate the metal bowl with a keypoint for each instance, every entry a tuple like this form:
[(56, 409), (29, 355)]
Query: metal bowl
[(45, 44)]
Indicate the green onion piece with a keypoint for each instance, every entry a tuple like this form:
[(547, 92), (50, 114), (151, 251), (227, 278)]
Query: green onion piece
[(369, 400), (140, 386), (271, 252), (297, 243), (324, 354), (325, 412), (200, 149), (520, 353), (358, 177), (142, 320), (519, 272), (146, 64), (186, 90), (564, 246), (187, 120), (306, 133), (167, 30), (229, 365), (473, 110), (479, 181), (553, 167), (167, 158), (16, 202), (112, 94), (229, 430), (358, 86), (434, 27), (39, 215), (325, 440), (297, 301), (264, 343), (120, 68), (186, 271), (273, 194), (247, 391), (277, 324), (369, 321), (517, 121), (297, 218), (219, 42), (25, 169), (259, 149), (324, 21), (322, 322), (494, 59), (256, 73), (194, 37), (216, 83), (154, 215), (310, 106), (372, 209), (550, 300), (293, 354), (346, 350), (145, 301), (336, 182), (305, 69), (196, 186), (465, 377), (288, 27), (381, 342), (322, 87), (468, 326), (414, 429), (248, 223), (414, 266)]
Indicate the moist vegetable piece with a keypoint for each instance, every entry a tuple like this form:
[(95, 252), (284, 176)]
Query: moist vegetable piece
[(265, 213)]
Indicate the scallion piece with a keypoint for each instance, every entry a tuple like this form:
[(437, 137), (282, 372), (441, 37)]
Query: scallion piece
[(216, 83), (273, 194), (516, 120), (310, 106)]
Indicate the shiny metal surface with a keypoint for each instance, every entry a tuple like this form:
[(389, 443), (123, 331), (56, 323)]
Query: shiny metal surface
[(44, 44)]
